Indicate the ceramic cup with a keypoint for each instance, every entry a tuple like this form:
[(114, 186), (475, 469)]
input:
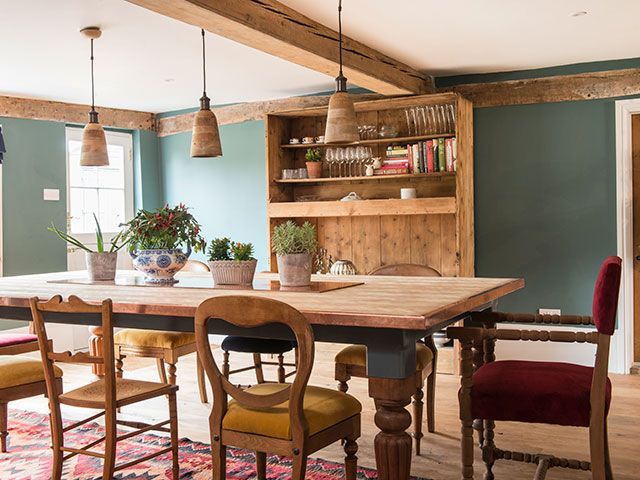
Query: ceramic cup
[(307, 140), (293, 141), (320, 139), (406, 193)]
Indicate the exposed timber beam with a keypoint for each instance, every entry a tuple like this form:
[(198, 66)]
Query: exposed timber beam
[(242, 112), (274, 28), (16, 107), (561, 88)]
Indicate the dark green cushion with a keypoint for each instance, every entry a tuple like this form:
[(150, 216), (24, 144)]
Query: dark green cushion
[(256, 345)]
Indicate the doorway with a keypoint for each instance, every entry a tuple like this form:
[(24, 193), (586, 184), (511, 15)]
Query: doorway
[(635, 155), (106, 192)]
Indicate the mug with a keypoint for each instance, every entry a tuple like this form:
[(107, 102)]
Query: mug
[(293, 141), (307, 140), (406, 193), (320, 139)]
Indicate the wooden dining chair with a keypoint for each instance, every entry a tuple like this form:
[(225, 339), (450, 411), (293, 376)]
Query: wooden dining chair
[(20, 377), (539, 392), (351, 361), (289, 419), (107, 394), (17, 343), (165, 347)]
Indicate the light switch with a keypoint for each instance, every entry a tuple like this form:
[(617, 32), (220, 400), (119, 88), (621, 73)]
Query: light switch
[(51, 194)]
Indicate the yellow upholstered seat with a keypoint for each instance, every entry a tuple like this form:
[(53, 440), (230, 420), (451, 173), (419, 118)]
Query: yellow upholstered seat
[(153, 338), (323, 408), (16, 370), (357, 355)]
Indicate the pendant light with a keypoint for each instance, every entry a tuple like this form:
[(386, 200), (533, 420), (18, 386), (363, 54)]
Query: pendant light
[(342, 126), (205, 137), (94, 143)]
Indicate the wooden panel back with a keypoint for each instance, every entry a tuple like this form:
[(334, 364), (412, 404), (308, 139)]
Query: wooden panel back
[(74, 304)]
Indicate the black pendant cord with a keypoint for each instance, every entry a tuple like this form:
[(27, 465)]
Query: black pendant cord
[(341, 81), (93, 115), (204, 101), (340, 32), (204, 68)]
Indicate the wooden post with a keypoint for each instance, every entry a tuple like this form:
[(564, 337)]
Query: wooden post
[(96, 349)]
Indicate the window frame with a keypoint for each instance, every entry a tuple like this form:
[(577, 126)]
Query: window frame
[(123, 139)]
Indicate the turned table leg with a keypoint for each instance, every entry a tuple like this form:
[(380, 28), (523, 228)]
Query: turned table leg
[(393, 443), (96, 348)]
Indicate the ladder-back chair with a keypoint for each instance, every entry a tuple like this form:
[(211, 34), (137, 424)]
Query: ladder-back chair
[(107, 394)]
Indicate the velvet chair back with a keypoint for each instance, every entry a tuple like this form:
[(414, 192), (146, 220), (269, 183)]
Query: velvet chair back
[(605, 295)]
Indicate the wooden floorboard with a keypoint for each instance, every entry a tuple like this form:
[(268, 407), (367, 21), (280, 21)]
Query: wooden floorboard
[(440, 457)]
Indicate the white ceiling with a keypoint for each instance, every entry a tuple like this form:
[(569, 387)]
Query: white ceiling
[(148, 62), (471, 36), (143, 61)]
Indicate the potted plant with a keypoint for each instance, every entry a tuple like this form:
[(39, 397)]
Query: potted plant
[(231, 263), (294, 246), (156, 239), (101, 263), (314, 162)]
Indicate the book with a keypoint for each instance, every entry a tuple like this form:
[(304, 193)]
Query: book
[(392, 161), (434, 152), (442, 157), (448, 146), (416, 158), (429, 150), (410, 155), (391, 171), (423, 157), (455, 152), (394, 165)]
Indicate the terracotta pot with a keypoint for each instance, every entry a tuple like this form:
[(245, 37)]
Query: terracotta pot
[(233, 272), (101, 266), (295, 269), (314, 169), (160, 265)]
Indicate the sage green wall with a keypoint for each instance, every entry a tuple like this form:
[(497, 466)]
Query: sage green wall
[(545, 199), (227, 194), (35, 159), (146, 170)]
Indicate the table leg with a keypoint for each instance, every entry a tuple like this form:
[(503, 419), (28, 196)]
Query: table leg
[(391, 369), (393, 444), (96, 348)]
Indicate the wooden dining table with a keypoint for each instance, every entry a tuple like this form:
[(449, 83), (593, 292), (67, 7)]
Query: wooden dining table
[(387, 314)]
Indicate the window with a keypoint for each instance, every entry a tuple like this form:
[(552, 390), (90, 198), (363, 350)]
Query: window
[(105, 191)]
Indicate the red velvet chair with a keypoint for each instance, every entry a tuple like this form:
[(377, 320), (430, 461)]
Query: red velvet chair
[(539, 392), (17, 343)]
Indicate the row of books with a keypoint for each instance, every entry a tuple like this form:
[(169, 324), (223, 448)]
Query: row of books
[(436, 155)]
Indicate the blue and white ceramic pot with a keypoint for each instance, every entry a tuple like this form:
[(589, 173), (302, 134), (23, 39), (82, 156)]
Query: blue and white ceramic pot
[(160, 265)]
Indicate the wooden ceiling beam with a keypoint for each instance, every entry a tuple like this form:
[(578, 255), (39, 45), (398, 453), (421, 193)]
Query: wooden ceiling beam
[(274, 28), (243, 112), (16, 107)]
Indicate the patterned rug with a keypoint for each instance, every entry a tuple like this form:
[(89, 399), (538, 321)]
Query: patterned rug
[(29, 457)]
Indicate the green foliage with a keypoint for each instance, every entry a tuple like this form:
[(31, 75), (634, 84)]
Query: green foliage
[(164, 228), (313, 155), (242, 251), (225, 249), (291, 238), (117, 242), (219, 249)]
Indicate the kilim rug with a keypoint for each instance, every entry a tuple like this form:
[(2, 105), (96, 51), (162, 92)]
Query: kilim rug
[(29, 457)]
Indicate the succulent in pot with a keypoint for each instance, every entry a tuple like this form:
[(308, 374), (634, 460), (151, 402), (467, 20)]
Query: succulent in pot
[(156, 239), (294, 246), (101, 262), (314, 162), (231, 263)]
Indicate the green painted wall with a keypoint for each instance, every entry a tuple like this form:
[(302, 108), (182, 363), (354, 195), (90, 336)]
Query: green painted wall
[(227, 194), (545, 199), (35, 159), (146, 170)]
